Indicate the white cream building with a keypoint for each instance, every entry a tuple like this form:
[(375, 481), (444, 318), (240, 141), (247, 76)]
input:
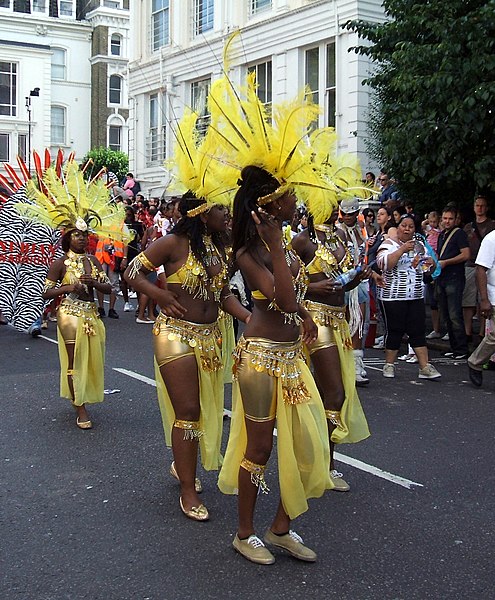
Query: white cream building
[(50, 51), (177, 52)]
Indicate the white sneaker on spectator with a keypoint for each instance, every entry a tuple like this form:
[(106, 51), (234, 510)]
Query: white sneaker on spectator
[(389, 370), (412, 359), (429, 372), (132, 294), (433, 335), (379, 343), (445, 338), (405, 357), (128, 307)]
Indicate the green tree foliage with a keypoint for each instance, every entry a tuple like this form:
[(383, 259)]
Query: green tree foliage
[(114, 161), (431, 122)]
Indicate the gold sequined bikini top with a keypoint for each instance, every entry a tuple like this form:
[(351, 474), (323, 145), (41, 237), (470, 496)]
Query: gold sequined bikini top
[(74, 264), (324, 260), (300, 281), (193, 277)]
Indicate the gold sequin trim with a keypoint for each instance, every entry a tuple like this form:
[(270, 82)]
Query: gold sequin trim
[(49, 284), (325, 315), (191, 429), (334, 417), (206, 338), (257, 474), (82, 309), (137, 263), (282, 363)]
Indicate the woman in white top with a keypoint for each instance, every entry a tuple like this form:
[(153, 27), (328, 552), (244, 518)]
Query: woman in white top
[(402, 300)]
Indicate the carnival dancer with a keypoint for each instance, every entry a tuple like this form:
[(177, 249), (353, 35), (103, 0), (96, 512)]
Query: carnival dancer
[(327, 258), (272, 383), (187, 339), (63, 200)]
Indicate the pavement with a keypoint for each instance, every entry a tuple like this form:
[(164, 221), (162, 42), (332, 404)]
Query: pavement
[(95, 515)]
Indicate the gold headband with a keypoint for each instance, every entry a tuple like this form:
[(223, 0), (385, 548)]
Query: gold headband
[(194, 212), (278, 193)]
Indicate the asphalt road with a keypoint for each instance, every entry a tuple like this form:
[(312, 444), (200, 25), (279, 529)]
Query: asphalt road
[(95, 515)]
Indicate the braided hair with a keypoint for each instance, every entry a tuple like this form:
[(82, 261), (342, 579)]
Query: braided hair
[(254, 183), (194, 228)]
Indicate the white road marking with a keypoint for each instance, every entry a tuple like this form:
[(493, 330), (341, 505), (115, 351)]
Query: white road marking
[(353, 462), (43, 337)]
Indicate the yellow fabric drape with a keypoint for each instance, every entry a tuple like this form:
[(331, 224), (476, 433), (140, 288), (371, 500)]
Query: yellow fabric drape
[(302, 446), (88, 333), (226, 326)]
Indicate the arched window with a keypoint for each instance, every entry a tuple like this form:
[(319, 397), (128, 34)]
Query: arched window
[(115, 89), (116, 45)]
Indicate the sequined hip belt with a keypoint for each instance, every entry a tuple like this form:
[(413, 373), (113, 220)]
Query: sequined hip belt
[(324, 314), (282, 360), (78, 308), (205, 337)]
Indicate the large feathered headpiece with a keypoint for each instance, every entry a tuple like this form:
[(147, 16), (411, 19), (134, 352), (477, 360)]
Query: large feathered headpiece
[(63, 200), (194, 167), (280, 141)]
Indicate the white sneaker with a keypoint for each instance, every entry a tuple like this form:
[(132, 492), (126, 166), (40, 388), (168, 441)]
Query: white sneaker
[(446, 337), (128, 307), (413, 359), (132, 294), (405, 357), (360, 380), (379, 345), (389, 370), (429, 372), (433, 335)]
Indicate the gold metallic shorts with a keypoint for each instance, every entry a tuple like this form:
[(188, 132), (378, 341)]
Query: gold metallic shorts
[(175, 338), (69, 312), (328, 319), (259, 364)]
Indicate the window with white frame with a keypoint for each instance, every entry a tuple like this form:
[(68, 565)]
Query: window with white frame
[(115, 89), (115, 44), (4, 147), (159, 23), (58, 125), (58, 63), (66, 8), (39, 6), (156, 142), (115, 137), (320, 78), (5, 3), (203, 15), (199, 94), (8, 89), (263, 73), (22, 6), (257, 6), (22, 145)]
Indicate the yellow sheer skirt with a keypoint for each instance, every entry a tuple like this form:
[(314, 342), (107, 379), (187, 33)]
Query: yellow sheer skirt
[(333, 330), (302, 434), (226, 326), (174, 339), (78, 323)]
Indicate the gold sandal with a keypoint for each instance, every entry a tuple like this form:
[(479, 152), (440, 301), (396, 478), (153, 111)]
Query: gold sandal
[(196, 513), (198, 487), (84, 424)]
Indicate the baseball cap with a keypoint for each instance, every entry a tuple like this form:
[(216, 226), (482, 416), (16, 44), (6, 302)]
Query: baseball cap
[(349, 205)]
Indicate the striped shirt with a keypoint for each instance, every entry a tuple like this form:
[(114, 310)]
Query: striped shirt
[(402, 282)]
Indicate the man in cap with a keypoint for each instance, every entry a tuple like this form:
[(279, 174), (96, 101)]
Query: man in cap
[(357, 300)]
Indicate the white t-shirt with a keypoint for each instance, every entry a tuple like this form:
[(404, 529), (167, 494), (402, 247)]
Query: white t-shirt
[(486, 258)]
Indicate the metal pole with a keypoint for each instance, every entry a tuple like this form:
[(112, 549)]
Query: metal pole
[(28, 106)]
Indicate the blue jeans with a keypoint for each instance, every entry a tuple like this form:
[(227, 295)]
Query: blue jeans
[(449, 296)]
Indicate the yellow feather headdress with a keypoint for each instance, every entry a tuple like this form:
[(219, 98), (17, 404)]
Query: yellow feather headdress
[(283, 142), (195, 168), (64, 200)]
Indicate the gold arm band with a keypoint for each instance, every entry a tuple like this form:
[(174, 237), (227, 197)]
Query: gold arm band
[(138, 263), (191, 429), (194, 212), (334, 417), (103, 277), (49, 284), (257, 474)]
